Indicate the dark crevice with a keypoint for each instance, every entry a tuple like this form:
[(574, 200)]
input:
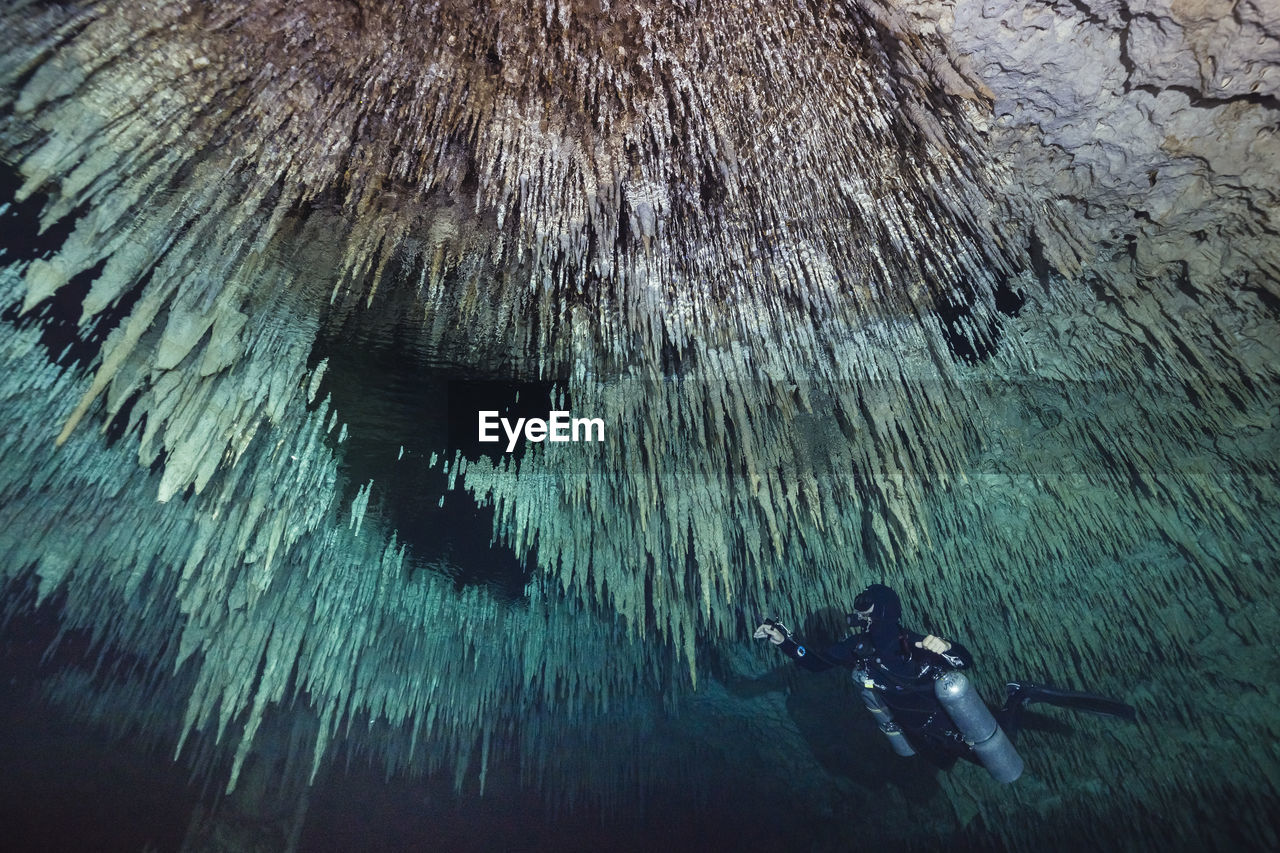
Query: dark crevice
[(1196, 98), (1126, 61), (1199, 100), (972, 334), (1266, 297), (1039, 263), (119, 424), (1101, 292), (624, 239), (1009, 301), (1183, 282), (1088, 13), (711, 189)]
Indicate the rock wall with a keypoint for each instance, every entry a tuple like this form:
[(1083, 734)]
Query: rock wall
[(977, 299)]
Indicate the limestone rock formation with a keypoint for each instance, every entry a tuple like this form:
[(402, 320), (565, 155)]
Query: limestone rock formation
[(976, 298)]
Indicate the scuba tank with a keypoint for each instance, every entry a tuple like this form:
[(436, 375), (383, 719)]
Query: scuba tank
[(961, 702), (884, 717), (974, 720), (863, 650)]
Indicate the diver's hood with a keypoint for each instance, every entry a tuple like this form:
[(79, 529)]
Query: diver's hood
[(885, 615)]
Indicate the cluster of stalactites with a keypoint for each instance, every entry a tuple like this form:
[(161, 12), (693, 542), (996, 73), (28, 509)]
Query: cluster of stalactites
[(579, 191), (751, 190), (716, 497), (632, 185), (263, 592), (1095, 505), (766, 203)]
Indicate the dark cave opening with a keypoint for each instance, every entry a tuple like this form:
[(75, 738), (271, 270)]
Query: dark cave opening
[(973, 333), (402, 410)]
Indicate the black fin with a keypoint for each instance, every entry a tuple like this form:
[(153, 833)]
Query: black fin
[(1089, 702)]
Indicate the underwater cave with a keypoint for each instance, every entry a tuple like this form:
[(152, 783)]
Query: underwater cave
[(764, 303)]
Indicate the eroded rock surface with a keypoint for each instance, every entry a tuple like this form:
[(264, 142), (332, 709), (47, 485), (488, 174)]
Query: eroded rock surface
[(978, 298)]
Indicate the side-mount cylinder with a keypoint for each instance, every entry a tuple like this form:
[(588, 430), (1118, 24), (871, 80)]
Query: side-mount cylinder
[(884, 719), (974, 720)]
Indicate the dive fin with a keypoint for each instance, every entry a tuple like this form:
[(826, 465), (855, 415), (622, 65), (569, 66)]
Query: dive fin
[(1024, 693)]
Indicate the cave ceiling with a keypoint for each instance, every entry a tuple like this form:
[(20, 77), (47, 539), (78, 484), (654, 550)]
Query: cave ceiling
[(976, 299)]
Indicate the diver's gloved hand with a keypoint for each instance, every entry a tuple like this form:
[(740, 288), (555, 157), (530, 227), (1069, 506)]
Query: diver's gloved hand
[(771, 630), (934, 644)]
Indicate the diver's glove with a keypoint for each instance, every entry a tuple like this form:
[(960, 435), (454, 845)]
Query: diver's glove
[(937, 645), (952, 654), (774, 630)]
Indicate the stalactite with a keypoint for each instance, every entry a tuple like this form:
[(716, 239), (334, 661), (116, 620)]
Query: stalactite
[(765, 243)]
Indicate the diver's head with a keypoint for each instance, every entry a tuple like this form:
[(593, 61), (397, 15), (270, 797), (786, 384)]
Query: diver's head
[(876, 607), (860, 618)]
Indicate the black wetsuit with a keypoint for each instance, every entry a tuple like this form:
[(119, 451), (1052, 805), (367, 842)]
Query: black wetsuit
[(900, 673), (903, 677), (904, 680)]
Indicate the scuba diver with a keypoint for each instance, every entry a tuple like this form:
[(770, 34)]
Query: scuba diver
[(913, 685)]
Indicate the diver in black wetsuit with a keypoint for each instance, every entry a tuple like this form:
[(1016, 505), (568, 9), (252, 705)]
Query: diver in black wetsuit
[(900, 666)]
